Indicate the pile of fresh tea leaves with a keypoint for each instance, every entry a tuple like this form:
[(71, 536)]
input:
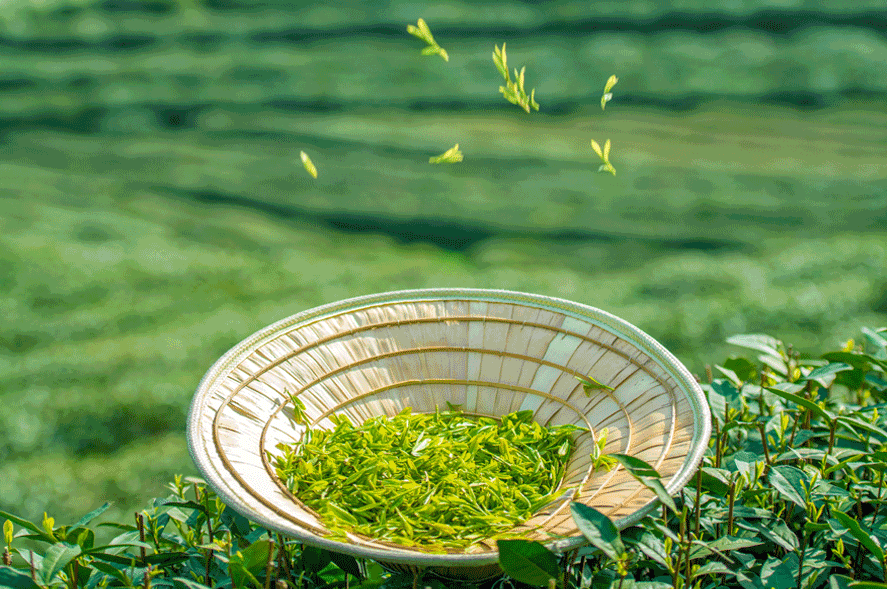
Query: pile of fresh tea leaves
[(445, 479)]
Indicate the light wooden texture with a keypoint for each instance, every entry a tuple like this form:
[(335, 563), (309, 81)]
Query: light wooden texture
[(492, 352)]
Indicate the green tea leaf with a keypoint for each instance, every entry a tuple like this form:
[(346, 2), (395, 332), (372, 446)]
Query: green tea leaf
[(805, 403), (55, 559), (636, 466), (309, 165), (590, 384), (10, 577), (827, 370), (315, 559), (860, 534), (790, 482), (763, 343), (528, 562), (598, 529)]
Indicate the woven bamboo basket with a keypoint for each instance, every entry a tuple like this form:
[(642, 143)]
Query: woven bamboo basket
[(490, 351)]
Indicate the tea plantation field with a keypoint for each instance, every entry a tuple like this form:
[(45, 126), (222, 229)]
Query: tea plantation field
[(154, 211)]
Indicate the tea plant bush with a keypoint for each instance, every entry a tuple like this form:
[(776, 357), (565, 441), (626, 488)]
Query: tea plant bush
[(790, 495)]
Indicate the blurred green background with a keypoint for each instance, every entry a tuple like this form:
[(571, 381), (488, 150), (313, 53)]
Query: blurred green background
[(154, 210)]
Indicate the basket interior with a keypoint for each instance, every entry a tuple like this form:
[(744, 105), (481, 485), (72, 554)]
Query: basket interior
[(491, 357)]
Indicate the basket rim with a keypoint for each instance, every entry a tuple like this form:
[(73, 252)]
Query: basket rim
[(686, 383)]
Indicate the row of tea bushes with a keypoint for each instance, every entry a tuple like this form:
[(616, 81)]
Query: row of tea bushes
[(83, 18), (663, 69)]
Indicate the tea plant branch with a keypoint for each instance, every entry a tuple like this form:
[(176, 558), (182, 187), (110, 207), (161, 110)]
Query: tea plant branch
[(423, 32), (513, 90)]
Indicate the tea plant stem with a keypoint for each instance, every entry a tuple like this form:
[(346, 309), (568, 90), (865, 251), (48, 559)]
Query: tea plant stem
[(268, 564), (140, 523), (831, 442), (763, 429), (791, 441), (283, 558), (698, 506), (33, 571), (801, 557), (878, 502), (732, 500), (147, 584), (687, 545)]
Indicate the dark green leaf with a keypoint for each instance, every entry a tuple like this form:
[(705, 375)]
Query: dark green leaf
[(598, 529), (83, 537), (83, 521), (868, 585), (165, 559), (779, 574), (528, 562), (255, 556), (188, 583), (744, 368), (762, 343), (347, 563), (810, 405), (314, 559), (865, 425), (56, 558), (111, 571), (860, 534), (827, 370), (839, 582), (10, 577), (636, 466), (790, 482), (235, 522), (714, 567), (657, 487), (724, 544)]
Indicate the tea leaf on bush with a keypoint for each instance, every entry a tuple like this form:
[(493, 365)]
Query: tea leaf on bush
[(528, 562), (760, 342), (598, 529), (56, 558), (827, 370), (84, 521), (9, 577), (790, 482), (860, 534), (807, 404)]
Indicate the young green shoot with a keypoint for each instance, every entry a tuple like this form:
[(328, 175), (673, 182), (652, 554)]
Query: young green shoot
[(604, 155), (422, 32), (450, 156), (513, 90), (309, 165), (608, 96)]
